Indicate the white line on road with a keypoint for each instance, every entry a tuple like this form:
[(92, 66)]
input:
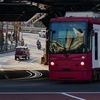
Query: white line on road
[(33, 61), (5, 60), (3, 70), (78, 98)]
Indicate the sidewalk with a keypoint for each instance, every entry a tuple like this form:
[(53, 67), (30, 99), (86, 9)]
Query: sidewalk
[(7, 48)]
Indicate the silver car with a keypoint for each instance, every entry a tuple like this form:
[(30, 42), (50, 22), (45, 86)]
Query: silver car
[(42, 33)]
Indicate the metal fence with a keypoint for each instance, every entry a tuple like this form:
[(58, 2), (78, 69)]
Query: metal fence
[(7, 48)]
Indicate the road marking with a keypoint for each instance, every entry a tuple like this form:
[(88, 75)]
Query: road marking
[(4, 73), (5, 60), (3, 70), (6, 76), (78, 98), (36, 74), (32, 61)]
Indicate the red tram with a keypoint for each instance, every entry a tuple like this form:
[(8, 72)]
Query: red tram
[(74, 50)]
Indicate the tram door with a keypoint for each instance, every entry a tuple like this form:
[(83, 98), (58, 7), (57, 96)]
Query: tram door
[(96, 47)]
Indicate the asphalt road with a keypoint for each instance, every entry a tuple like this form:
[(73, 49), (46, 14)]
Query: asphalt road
[(29, 80)]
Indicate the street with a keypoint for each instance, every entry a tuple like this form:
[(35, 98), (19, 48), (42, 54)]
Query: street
[(28, 79)]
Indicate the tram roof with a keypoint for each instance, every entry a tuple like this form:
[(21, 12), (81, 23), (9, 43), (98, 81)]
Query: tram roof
[(90, 19)]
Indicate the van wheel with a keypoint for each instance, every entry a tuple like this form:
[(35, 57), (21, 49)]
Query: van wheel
[(26, 58)]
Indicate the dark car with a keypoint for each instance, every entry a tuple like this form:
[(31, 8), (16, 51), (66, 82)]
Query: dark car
[(22, 52)]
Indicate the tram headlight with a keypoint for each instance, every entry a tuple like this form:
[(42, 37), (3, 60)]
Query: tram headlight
[(82, 63), (52, 63)]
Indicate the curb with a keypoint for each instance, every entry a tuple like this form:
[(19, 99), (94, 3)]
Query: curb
[(7, 51)]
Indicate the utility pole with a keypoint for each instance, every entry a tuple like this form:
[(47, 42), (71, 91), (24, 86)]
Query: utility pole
[(1, 36), (47, 46), (6, 34), (17, 30), (15, 33)]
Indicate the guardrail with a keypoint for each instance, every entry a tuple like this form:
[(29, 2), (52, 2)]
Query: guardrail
[(7, 48)]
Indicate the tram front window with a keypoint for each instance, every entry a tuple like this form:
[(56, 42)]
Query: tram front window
[(68, 37)]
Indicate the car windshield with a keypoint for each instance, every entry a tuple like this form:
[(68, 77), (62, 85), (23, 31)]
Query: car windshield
[(20, 49), (43, 31)]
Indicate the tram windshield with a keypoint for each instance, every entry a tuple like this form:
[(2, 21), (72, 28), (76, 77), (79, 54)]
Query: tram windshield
[(68, 37)]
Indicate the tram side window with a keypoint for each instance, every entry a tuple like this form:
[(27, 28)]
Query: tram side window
[(89, 37), (96, 46), (89, 42)]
